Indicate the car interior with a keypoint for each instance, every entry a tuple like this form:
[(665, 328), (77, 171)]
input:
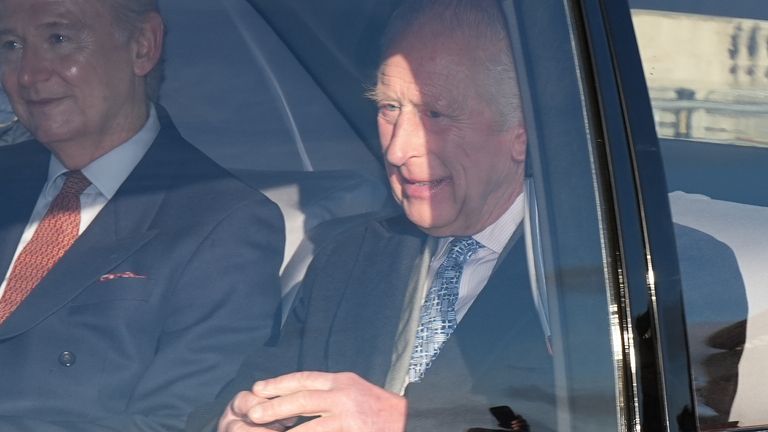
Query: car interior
[(256, 110), (283, 107)]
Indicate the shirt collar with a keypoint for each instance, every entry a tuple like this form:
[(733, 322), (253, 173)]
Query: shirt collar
[(109, 171), (496, 236)]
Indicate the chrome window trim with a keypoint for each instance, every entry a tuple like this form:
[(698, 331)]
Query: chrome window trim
[(537, 72), (625, 394), (653, 312)]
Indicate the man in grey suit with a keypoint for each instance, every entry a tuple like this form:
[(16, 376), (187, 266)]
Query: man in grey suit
[(136, 272), (382, 299)]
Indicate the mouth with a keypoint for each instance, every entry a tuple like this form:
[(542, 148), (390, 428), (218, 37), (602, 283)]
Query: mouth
[(423, 188), (428, 183), (42, 102)]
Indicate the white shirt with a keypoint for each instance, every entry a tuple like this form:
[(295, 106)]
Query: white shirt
[(478, 269), (106, 174)]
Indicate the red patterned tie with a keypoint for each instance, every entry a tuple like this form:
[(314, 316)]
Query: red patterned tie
[(54, 235)]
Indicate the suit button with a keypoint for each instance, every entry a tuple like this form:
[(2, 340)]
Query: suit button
[(67, 358)]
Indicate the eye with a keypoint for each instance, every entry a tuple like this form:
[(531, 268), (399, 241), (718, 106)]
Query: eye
[(10, 45), (434, 114), (388, 107), (57, 38), (389, 111)]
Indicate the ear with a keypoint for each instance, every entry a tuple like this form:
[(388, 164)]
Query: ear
[(518, 139), (148, 44)]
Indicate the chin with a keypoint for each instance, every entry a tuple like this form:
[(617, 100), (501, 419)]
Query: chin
[(427, 223), (45, 137), (51, 133)]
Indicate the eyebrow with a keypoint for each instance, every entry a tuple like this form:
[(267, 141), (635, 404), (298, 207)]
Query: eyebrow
[(374, 94), (47, 26), (60, 24)]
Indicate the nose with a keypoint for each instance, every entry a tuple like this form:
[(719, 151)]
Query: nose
[(404, 139), (33, 67)]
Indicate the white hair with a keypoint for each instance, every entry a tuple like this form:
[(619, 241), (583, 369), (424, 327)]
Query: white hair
[(480, 22)]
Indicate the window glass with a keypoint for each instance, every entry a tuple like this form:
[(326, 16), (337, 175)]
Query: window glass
[(377, 172), (566, 230), (706, 66), (548, 301), (11, 131)]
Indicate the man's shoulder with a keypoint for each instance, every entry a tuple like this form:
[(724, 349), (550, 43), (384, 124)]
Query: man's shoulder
[(23, 167), (188, 170), (369, 228), (21, 154), (195, 194), (177, 155), (362, 243)]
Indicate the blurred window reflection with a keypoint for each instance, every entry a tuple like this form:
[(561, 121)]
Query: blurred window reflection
[(11, 130), (706, 67)]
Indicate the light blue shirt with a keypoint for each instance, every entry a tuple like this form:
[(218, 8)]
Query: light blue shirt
[(106, 174), (479, 267)]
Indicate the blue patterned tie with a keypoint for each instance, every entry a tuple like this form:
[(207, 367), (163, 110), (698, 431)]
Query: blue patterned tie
[(438, 313)]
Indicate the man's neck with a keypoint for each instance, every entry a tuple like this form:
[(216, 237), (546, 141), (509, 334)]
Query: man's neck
[(77, 154)]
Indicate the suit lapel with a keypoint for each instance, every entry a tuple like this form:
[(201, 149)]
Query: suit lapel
[(375, 297), (410, 319), (496, 356), (81, 266), (503, 311), (122, 226)]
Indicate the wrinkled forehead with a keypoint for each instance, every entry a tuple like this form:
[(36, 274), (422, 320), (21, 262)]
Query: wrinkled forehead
[(424, 73), (19, 15), (434, 47), (434, 65)]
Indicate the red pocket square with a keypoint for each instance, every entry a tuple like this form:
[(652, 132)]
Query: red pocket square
[(130, 275)]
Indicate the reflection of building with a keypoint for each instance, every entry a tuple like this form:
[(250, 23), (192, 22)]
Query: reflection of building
[(708, 76), (708, 80)]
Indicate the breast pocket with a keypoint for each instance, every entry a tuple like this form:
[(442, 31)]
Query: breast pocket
[(114, 289)]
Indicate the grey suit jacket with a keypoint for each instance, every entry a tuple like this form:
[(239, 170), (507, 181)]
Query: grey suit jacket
[(348, 315), (86, 353)]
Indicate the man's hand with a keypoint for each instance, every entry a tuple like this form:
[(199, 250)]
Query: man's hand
[(341, 402), (235, 417)]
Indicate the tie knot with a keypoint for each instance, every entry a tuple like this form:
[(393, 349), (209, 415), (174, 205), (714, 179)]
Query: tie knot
[(76, 182), (460, 249)]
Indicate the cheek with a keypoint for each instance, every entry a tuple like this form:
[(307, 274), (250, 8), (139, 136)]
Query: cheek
[(385, 134), (394, 182), (11, 90), (71, 71), (5, 79), (472, 172)]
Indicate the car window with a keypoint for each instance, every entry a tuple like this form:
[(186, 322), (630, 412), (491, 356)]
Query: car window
[(286, 96), (11, 131), (705, 66), (555, 303), (567, 225)]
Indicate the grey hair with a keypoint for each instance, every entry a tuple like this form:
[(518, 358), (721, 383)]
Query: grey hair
[(478, 21), (129, 15)]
